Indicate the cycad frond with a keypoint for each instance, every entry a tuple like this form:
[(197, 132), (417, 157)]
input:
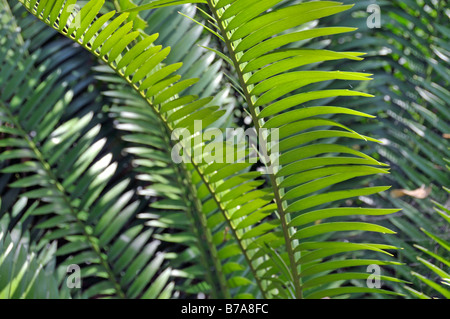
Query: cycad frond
[(413, 110), (274, 88), (66, 168), (24, 274), (278, 228)]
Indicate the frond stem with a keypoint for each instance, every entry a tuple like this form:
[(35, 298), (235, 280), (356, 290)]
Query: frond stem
[(279, 202)]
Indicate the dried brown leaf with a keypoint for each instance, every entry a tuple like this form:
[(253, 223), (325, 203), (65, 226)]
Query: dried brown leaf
[(420, 193)]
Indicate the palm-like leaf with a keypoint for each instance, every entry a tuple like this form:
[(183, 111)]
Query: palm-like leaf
[(276, 224), (268, 82), (73, 213), (23, 273), (406, 61)]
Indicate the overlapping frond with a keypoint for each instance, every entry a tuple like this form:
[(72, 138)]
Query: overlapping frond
[(275, 87), (24, 274), (141, 124), (408, 57), (139, 65), (64, 168), (287, 226)]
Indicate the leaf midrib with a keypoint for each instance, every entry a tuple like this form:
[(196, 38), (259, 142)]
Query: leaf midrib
[(280, 206)]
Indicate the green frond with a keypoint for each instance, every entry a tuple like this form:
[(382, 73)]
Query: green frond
[(67, 170), (25, 273), (111, 164), (274, 90)]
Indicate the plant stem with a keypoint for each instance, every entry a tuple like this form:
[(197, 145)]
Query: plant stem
[(164, 122), (279, 202), (198, 221)]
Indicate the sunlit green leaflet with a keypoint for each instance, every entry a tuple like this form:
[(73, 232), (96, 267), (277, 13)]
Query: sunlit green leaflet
[(247, 36)]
